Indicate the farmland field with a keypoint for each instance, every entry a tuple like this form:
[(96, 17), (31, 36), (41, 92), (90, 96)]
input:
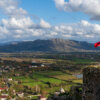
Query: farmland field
[(60, 71), (55, 79)]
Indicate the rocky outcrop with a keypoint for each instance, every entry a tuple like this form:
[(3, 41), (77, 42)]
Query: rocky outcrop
[(76, 92), (91, 83)]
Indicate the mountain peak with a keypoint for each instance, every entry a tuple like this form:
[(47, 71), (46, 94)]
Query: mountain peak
[(50, 45)]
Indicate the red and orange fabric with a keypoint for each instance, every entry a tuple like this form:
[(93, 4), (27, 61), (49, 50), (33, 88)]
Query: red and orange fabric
[(97, 44)]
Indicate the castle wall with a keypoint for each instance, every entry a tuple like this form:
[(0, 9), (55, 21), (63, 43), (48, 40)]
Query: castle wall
[(91, 83)]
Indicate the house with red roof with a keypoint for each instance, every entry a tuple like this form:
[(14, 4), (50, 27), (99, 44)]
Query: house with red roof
[(3, 97), (42, 98), (2, 89)]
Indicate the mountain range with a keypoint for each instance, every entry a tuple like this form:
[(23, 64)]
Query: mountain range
[(50, 45)]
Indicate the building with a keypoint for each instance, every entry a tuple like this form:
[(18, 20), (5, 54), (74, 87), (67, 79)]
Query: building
[(36, 64), (62, 90), (3, 97), (21, 95), (10, 79), (42, 98), (2, 89)]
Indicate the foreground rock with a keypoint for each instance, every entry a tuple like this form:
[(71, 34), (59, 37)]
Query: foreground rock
[(91, 83)]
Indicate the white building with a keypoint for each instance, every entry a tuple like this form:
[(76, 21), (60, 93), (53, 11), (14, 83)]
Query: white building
[(43, 98), (62, 90), (21, 95), (10, 79)]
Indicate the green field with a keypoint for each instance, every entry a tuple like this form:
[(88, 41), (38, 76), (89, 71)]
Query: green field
[(50, 80), (53, 80), (83, 61)]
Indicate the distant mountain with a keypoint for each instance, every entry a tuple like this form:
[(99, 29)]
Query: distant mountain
[(52, 45)]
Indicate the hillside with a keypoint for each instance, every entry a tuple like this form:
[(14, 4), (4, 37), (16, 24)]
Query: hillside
[(52, 45)]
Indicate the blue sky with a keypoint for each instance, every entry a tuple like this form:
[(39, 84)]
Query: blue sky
[(47, 10), (25, 20)]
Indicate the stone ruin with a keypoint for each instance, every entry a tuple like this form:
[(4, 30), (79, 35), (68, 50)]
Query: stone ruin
[(91, 83), (91, 87)]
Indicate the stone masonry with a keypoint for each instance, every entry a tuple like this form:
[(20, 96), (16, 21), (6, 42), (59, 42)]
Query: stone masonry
[(91, 83)]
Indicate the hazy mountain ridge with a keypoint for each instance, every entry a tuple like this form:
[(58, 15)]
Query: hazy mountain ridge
[(51, 45)]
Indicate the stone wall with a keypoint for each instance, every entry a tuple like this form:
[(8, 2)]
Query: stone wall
[(76, 93), (91, 83)]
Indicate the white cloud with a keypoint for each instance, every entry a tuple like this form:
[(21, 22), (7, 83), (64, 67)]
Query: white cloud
[(15, 23), (10, 8), (59, 3), (25, 29), (44, 24), (19, 26), (89, 7)]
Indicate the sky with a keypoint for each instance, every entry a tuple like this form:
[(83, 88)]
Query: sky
[(26, 20)]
